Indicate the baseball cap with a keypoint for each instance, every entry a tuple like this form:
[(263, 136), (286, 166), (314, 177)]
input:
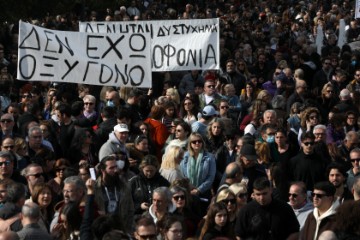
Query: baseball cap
[(121, 128), (209, 111), (248, 151), (7, 116)]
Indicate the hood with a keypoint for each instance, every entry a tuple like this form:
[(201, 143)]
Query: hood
[(113, 138), (329, 212), (308, 206), (171, 209), (311, 65)]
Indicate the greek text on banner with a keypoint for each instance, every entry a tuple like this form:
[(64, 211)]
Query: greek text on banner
[(88, 58), (175, 44)]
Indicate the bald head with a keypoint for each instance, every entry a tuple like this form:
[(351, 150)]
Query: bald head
[(233, 173), (9, 235)]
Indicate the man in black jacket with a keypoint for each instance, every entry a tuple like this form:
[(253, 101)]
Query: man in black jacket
[(307, 166)]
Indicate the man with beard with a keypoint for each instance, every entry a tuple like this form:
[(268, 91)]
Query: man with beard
[(337, 177), (74, 191), (112, 195), (234, 77)]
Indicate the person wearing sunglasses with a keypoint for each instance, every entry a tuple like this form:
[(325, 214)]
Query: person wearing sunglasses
[(227, 197), (310, 117), (145, 229), (33, 174), (209, 96), (354, 172), (7, 170), (323, 217), (89, 109), (241, 193), (308, 166), (299, 202)]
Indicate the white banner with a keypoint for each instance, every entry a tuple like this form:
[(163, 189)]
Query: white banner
[(87, 58), (357, 9), (175, 44)]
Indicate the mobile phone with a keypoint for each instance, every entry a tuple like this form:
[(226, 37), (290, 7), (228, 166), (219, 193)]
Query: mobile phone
[(92, 173)]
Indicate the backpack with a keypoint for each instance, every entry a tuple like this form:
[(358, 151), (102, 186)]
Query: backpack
[(6, 224)]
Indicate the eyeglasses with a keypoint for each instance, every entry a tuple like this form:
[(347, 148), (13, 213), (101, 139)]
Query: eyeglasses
[(6, 163), (8, 147), (227, 201), (318, 195), (308, 143), (37, 175), (355, 160), (313, 117), (6, 121), (26, 96), (330, 91), (242, 195), (89, 103), (210, 86), (294, 195), (224, 107), (196, 142), (59, 169), (150, 236), (36, 137), (180, 197)]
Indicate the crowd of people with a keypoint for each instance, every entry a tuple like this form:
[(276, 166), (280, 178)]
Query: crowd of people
[(267, 147)]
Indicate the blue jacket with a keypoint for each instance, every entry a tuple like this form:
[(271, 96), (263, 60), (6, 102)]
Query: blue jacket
[(208, 166)]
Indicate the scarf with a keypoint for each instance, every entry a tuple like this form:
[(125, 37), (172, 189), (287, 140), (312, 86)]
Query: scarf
[(194, 171)]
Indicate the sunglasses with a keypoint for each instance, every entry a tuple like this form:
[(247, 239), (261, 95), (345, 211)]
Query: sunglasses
[(6, 163), (308, 143), (89, 103), (59, 169), (318, 195), (227, 201), (180, 197), (9, 147), (196, 142), (355, 160), (38, 175), (294, 195), (330, 91), (6, 121)]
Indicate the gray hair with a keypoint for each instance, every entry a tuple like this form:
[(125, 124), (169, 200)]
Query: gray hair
[(90, 98), (6, 155), (25, 171), (319, 126), (77, 181), (34, 129), (270, 111), (31, 210), (165, 192)]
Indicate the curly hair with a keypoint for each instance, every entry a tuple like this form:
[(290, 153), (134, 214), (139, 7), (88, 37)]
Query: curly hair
[(306, 114)]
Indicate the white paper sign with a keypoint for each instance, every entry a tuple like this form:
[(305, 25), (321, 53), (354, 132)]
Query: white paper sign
[(175, 44), (87, 58)]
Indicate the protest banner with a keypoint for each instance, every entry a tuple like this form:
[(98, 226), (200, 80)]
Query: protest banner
[(176, 45), (87, 58)]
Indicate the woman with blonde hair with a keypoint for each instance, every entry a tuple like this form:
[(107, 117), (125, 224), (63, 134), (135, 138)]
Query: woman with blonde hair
[(170, 168), (173, 95), (265, 96), (227, 197), (215, 137), (263, 152), (327, 100), (199, 166)]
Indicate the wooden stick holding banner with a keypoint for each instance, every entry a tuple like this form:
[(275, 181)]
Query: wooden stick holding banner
[(87, 58)]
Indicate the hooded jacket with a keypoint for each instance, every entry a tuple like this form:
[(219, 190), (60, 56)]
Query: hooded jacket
[(112, 146), (315, 224), (302, 213)]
